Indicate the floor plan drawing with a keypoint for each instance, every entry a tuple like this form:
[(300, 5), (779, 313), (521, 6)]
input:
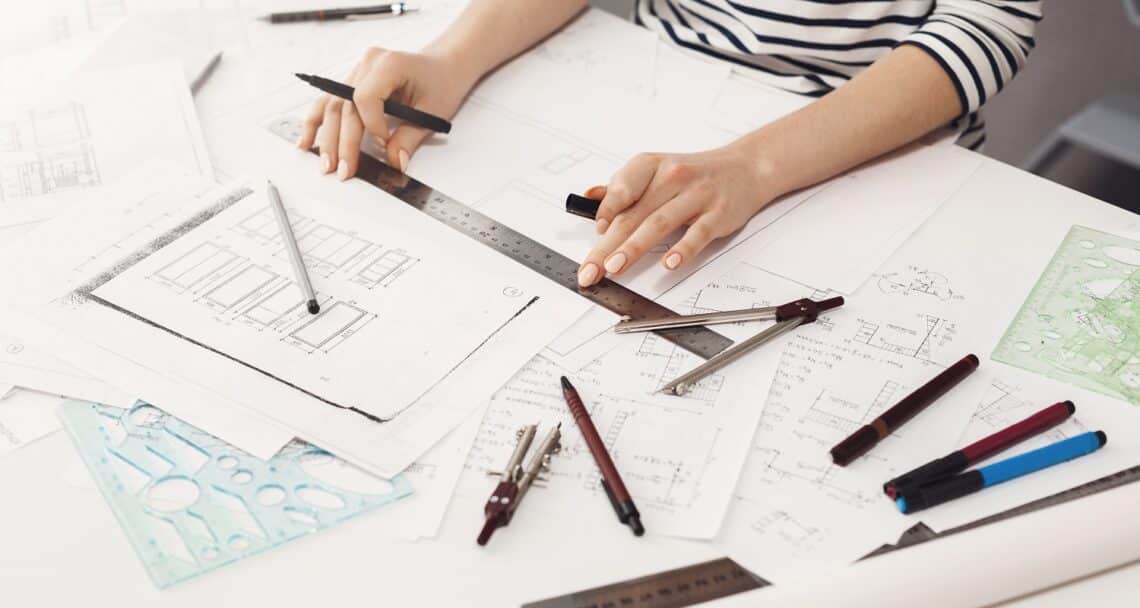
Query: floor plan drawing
[(247, 294), (329, 250), (46, 150), (1081, 321), (336, 322)]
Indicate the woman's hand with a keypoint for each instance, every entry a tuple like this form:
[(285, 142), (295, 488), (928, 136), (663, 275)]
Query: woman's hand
[(713, 192), (429, 82)]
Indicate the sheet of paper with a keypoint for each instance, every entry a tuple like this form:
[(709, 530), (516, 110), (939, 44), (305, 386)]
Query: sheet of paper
[(26, 416), (680, 456), (389, 297), (5, 389), (27, 366), (834, 376), (830, 242), (434, 477), (227, 284), (981, 292), (185, 36), (61, 143), (245, 429)]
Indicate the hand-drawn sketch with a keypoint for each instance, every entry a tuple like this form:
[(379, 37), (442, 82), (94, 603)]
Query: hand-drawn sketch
[(915, 281), (46, 150)]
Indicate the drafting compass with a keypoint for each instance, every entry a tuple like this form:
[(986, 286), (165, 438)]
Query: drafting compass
[(515, 479), (787, 317)]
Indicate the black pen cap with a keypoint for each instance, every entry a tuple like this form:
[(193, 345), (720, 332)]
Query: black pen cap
[(582, 206)]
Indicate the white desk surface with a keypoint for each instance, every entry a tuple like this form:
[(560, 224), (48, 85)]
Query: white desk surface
[(60, 543)]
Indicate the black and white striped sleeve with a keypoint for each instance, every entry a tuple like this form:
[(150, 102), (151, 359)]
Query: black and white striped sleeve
[(980, 43)]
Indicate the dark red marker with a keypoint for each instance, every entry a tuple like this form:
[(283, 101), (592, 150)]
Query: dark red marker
[(862, 440), (611, 480), (960, 460)]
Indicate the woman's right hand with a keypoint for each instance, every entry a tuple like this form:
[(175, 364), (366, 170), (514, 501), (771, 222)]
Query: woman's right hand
[(425, 81)]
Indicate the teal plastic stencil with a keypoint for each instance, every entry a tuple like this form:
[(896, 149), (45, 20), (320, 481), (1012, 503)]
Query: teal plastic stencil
[(190, 503)]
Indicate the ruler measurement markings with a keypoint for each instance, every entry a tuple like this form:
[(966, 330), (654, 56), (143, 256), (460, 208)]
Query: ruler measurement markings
[(613, 296)]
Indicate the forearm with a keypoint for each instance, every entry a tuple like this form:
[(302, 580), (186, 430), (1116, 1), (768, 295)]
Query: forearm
[(900, 98), (489, 32)]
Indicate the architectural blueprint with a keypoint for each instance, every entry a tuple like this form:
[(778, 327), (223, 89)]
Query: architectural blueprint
[(680, 456), (195, 248), (227, 285), (1081, 322), (793, 507), (68, 138)]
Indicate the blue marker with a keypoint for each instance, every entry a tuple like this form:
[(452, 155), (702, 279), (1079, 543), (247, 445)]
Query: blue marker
[(945, 490)]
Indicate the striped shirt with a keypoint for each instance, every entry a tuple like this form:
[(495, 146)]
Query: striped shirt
[(812, 46)]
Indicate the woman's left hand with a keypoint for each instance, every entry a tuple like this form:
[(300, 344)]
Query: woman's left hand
[(714, 193)]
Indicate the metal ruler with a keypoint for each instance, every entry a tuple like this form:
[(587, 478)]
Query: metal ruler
[(719, 578), (700, 341), (686, 586)]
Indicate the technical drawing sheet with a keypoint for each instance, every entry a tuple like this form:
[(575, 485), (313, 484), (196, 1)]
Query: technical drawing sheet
[(230, 333), (60, 142), (834, 376), (390, 323), (679, 456)]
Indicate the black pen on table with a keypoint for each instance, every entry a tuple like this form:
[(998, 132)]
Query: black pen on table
[(416, 117), (611, 480), (330, 14)]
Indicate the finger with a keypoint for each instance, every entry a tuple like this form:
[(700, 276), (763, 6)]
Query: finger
[(625, 188), (593, 268), (379, 79), (595, 192), (351, 132), (654, 229), (403, 144), (330, 133), (705, 230), (312, 123)]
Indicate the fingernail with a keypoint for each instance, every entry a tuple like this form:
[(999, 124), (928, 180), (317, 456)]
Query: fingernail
[(326, 163), (673, 260), (602, 225), (403, 161), (342, 170), (615, 263), (587, 275)]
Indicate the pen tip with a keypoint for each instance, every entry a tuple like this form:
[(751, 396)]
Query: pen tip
[(1102, 437), (566, 384), (1069, 405), (314, 308), (304, 77), (635, 524)]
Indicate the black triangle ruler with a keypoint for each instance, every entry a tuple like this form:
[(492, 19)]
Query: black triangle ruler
[(700, 341)]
